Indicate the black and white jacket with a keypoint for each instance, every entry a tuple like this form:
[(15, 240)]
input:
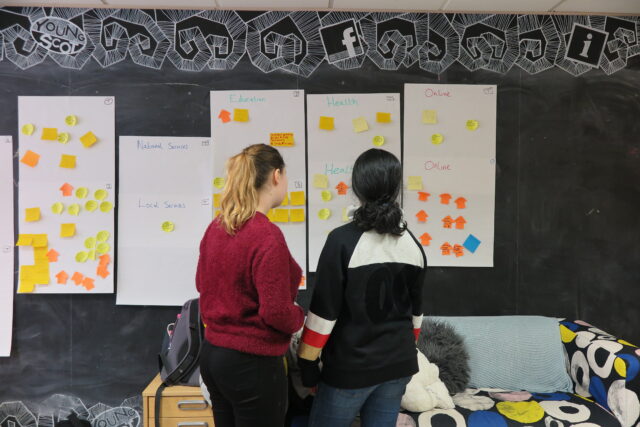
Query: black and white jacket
[(366, 309)]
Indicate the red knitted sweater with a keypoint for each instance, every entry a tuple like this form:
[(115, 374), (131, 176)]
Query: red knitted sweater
[(248, 284)]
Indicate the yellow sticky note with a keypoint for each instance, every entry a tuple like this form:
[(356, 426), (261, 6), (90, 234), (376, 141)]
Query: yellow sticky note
[(218, 183), (24, 240), (414, 183), (429, 117), (49, 134), (297, 198), (32, 214), (320, 181), (68, 161), (383, 117), (324, 214), (472, 124), (67, 230), (345, 215), (281, 215), (28, 129), (218, 212), (281, 139), (285, 201), (240, 115), (216, 200), (40, 240), (297, 215), (88, 139), (271, 214), (360, 125), (326, 123), (326, 195)]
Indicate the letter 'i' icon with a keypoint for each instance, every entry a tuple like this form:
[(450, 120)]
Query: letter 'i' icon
[(586, 45)]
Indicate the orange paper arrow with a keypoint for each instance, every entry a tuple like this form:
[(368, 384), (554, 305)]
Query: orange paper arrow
[(62, 277), (52, 255), (88, 283), (446, 248), (445, 198), (423, 196), (77, 278), (225, 116), (458, 250), (460, 222), (102, 271), (67, 189), (447, 221), (105, 259), (422, 216), (461, 202), (425, 239), (342, 188)]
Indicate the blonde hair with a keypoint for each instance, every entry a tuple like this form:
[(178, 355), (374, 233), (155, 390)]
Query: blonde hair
[(247, 172)]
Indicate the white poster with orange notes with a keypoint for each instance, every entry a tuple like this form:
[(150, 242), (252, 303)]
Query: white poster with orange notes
[(240, 118), (449, 171), (66, 194), (340, 128)]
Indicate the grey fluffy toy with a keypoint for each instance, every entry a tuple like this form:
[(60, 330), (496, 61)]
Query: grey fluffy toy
[(443, 346)]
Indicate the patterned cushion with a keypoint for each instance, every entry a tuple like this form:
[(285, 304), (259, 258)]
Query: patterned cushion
[(495, 408)]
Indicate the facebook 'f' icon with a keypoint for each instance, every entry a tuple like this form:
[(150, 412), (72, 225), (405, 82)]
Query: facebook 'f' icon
[(341, 41)]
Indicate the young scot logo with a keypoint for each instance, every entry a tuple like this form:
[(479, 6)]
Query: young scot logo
[(341, 41), (58, 35)]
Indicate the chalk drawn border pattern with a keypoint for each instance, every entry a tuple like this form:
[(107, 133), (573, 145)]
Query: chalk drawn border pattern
[(208, 41)]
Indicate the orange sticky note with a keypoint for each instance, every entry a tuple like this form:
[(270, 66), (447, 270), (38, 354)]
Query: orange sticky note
[(447, 221), (240, 115), (52, 255), (102, 271), (68, 161), (460, 222), (88, 283), (423, 196), (224, 116), (458, 250), (446, 248), (88, 139), (30, 158), (326, 123), (67, 230), (297, 215), (32, 214), (445, 198), (281, 139), (422, 216), (342, 188), (383, 117), (461, 202), (77, 278), (67, 189), (62, 277), (49, 134), (425, 239)]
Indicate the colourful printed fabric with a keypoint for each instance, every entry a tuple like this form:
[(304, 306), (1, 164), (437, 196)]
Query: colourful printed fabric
[(606, 374)]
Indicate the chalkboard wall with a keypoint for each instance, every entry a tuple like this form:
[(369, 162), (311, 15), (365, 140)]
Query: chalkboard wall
[(566, 225)]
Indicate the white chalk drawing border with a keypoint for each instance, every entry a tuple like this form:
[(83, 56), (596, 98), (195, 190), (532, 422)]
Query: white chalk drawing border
[(280, 41)]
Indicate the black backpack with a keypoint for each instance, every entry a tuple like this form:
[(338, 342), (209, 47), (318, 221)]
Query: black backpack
[(180, 353)]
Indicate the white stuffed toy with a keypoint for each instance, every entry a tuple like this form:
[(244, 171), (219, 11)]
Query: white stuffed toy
[(425, 391)]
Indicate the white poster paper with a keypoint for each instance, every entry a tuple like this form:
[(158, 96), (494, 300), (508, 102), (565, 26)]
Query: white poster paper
[(6, 244), (273, 117), (449, 171), (164, 209), (66, 194), (340, 128)]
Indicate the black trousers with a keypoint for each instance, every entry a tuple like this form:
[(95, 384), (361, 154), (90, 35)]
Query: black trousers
[(246, 390)]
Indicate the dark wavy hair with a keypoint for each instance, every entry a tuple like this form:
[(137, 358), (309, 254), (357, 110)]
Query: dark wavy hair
[(376, 181)]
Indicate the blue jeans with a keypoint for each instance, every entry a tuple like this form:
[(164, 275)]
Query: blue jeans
[(378, 405)]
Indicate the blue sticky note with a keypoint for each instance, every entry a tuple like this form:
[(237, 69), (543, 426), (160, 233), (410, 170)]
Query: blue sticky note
[(471, 243)]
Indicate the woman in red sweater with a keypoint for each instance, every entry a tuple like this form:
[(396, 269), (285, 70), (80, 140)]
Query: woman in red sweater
[(248, 283)]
